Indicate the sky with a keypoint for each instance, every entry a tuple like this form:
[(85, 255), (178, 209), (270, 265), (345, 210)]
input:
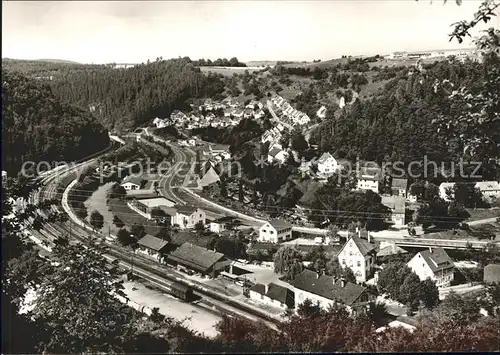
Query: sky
[(133, 32)]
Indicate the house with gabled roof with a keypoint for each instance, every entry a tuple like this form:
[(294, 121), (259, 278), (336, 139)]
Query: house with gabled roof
[(273, 295), (369, 179), (435, 264), (329, 291), (397, 204), (153, 246), (399, 187), (210, 177), (275, 231), (358, 255), (198, 259), (188, 216), (132, 182), (278, 154), (327, 164)]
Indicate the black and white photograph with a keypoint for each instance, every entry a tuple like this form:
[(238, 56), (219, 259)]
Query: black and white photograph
[(260, 176)]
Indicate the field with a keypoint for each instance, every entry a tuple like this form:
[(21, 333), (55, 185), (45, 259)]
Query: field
[(129, 217)]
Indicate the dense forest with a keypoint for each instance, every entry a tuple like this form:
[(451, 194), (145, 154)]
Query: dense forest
[(128, 98), (401, 124), (37, 126)]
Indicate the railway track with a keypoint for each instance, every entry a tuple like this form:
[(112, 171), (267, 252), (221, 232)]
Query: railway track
[(156, 273)]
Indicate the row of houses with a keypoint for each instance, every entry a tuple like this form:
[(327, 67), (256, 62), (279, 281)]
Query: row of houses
[(291, 114), (213, 114), (273, 135), (359, 255)]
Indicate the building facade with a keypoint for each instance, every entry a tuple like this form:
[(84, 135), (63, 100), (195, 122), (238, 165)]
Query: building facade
[(435, 264), (359, 256), (275, 231), (188, 217)]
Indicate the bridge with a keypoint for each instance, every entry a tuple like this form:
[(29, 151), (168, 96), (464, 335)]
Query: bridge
[(438, 243)]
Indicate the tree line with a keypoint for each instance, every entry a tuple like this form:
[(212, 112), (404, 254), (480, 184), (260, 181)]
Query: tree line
[(37, 126), (129, 98), (224, 62), (413, 113)]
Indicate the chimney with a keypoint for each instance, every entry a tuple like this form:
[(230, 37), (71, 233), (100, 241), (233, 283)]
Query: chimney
[(359, 232), (266, 289), (318, 274), (430, 250), (369, 237), (342, 282)]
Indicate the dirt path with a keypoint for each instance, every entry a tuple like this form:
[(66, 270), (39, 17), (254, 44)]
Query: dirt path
[(198, 318), (98, 202)]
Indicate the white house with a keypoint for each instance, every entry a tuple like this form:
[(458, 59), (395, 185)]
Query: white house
[(435, 264), (188, 216), (369, 179), (489, 189), (152, 246), (358, 255), (321, 112), (275, 231), (444, 187), (329, 291), (160, 123), (220, 225), (132, 182), (273, 295), (327, 164), (397, 204)]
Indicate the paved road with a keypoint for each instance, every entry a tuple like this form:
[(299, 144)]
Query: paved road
[(482, 221)]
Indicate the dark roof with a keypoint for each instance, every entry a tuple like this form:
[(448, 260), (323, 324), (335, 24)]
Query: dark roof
[(437, 260), (180, 287), (398, 183), (150, 242), (224, 219), (326, 287), (364, 247), (259, 288), (195, 257), (274, 151), (276, 292), (279, 224), (168, 210), (134, 179), (492, 273), (282, 294), (140, 196), (186, 209)]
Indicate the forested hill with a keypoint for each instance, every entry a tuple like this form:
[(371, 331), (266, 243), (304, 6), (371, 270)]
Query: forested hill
[(124, 98), (38, 127), (400, 123)]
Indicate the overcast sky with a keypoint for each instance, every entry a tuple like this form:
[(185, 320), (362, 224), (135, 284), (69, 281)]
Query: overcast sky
[(130, 32)]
